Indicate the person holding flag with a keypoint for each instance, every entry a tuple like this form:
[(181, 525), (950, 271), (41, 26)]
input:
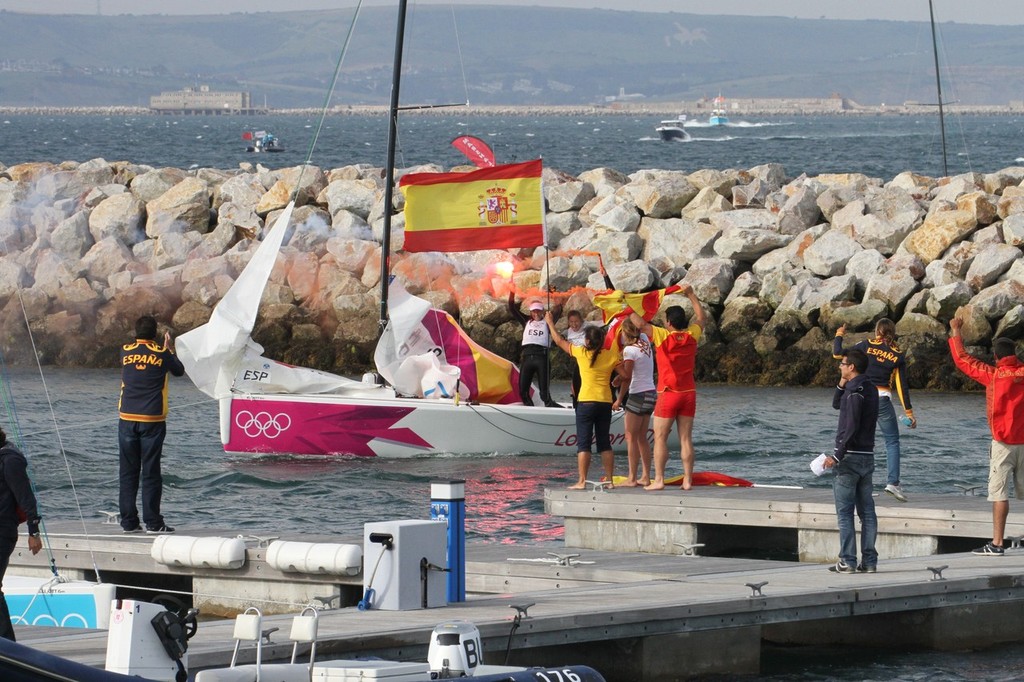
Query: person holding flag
[(534, 359), (594, 406), (676, 353)]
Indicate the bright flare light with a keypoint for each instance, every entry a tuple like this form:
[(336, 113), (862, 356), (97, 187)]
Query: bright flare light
[(504, 269)]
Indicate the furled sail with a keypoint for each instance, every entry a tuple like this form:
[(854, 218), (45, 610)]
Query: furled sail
[(424, 352), (220, 355)]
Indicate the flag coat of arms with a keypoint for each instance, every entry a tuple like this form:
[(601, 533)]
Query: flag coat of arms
[(491, 208)]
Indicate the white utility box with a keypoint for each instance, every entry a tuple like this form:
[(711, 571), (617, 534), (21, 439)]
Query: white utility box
[(397, 580)]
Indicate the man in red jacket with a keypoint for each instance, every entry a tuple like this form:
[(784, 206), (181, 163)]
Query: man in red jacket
[(1004, 394)]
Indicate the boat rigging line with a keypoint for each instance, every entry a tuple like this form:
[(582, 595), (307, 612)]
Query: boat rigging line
[(938, 87)]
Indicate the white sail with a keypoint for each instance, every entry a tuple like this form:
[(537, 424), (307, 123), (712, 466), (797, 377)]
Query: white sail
[(220, 355), (406, 355), (212, 352)]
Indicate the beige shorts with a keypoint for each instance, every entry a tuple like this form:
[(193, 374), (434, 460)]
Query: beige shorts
[(1006, 466)]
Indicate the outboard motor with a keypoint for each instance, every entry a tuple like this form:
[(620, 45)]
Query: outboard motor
[(146, 640), (455, 650)]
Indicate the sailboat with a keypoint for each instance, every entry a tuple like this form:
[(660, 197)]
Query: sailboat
[(448, 406)]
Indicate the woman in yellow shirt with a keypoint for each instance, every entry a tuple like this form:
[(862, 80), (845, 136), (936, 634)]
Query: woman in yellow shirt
[(594, 402)]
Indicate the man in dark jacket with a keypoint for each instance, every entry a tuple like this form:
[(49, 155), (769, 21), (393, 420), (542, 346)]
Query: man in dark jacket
[(853, 459), (143, 425), (15, 496)]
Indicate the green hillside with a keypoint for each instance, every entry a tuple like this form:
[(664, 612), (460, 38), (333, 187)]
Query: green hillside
[(511, 55)]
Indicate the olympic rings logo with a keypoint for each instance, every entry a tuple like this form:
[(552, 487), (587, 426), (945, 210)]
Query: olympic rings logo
[(262, 423)]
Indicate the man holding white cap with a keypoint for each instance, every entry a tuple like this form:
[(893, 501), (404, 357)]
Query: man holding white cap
[(534, 359)]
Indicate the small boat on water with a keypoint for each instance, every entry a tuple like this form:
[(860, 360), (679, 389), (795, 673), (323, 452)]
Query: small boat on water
[(672, 129), (262, 141), (718, 116)]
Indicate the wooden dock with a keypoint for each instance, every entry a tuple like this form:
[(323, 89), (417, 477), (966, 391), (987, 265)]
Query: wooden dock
[(641, 615), (800, 524)]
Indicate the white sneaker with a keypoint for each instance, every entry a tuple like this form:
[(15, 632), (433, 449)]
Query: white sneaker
[(896, 491)]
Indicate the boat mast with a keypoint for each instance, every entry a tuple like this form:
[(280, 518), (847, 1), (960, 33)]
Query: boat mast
[(938, 87), (389, 167)]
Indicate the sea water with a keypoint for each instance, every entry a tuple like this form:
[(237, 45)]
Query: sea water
[(878, 146)]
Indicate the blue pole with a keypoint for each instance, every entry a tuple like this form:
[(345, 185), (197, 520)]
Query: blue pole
[(448, 503)]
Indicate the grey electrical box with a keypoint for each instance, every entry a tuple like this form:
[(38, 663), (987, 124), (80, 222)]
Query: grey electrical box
[(404, 563)]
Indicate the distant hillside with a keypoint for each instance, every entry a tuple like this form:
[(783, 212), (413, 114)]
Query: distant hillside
[(511, 55)]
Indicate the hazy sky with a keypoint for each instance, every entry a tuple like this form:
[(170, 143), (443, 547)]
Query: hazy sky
[(985, 12)]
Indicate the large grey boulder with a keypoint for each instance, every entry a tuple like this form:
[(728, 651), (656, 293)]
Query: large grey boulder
[(997, 300), (893, 287), (605, 181), (679, 240), (152, 184), (705, 204), (829, 254), (711, 279), (615, 212), (353, 196), (568, 196), (183, 208), (748, 244), (121, 216), (989, 263), (659, 194), (72, 238), (943, 302)]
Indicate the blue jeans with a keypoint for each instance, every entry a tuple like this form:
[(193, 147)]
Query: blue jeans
[(891, 432), (141, 444), (852, 488)]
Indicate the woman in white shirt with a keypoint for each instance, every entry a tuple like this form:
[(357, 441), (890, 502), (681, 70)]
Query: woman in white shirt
[(639, 393)]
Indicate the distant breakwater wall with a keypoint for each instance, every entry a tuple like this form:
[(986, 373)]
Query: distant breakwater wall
[(777, 262), (745, 107)]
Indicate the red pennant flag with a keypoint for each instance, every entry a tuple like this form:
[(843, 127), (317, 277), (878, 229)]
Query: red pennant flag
[(476, 150), (247, 135)]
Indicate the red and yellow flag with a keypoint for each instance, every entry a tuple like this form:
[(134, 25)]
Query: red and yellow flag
[(616, 306), (491, 208), (615, 303)]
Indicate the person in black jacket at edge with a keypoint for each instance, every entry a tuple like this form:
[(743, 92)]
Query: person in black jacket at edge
[(16, 499), (853, 460)]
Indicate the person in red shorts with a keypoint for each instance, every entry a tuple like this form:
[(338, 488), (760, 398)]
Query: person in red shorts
[(677, 394)]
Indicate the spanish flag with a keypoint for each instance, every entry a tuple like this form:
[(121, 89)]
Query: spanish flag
[(614, 303), (616, 306), (491, 208)]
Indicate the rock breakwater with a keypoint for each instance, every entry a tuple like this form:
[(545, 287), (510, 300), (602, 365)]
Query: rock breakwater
[(778, 262)]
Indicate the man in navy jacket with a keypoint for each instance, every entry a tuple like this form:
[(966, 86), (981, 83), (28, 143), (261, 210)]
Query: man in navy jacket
[(142, 409), (853, 460)]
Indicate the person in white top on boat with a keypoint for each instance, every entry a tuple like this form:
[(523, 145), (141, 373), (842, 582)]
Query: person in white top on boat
[(575, 334), (637, 394), (533, 363)]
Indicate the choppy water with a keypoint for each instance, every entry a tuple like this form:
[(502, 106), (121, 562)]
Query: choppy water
[(880, 146), (767, 435)]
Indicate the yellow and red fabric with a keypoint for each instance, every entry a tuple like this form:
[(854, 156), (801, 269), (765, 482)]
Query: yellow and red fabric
[(491, 208)]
